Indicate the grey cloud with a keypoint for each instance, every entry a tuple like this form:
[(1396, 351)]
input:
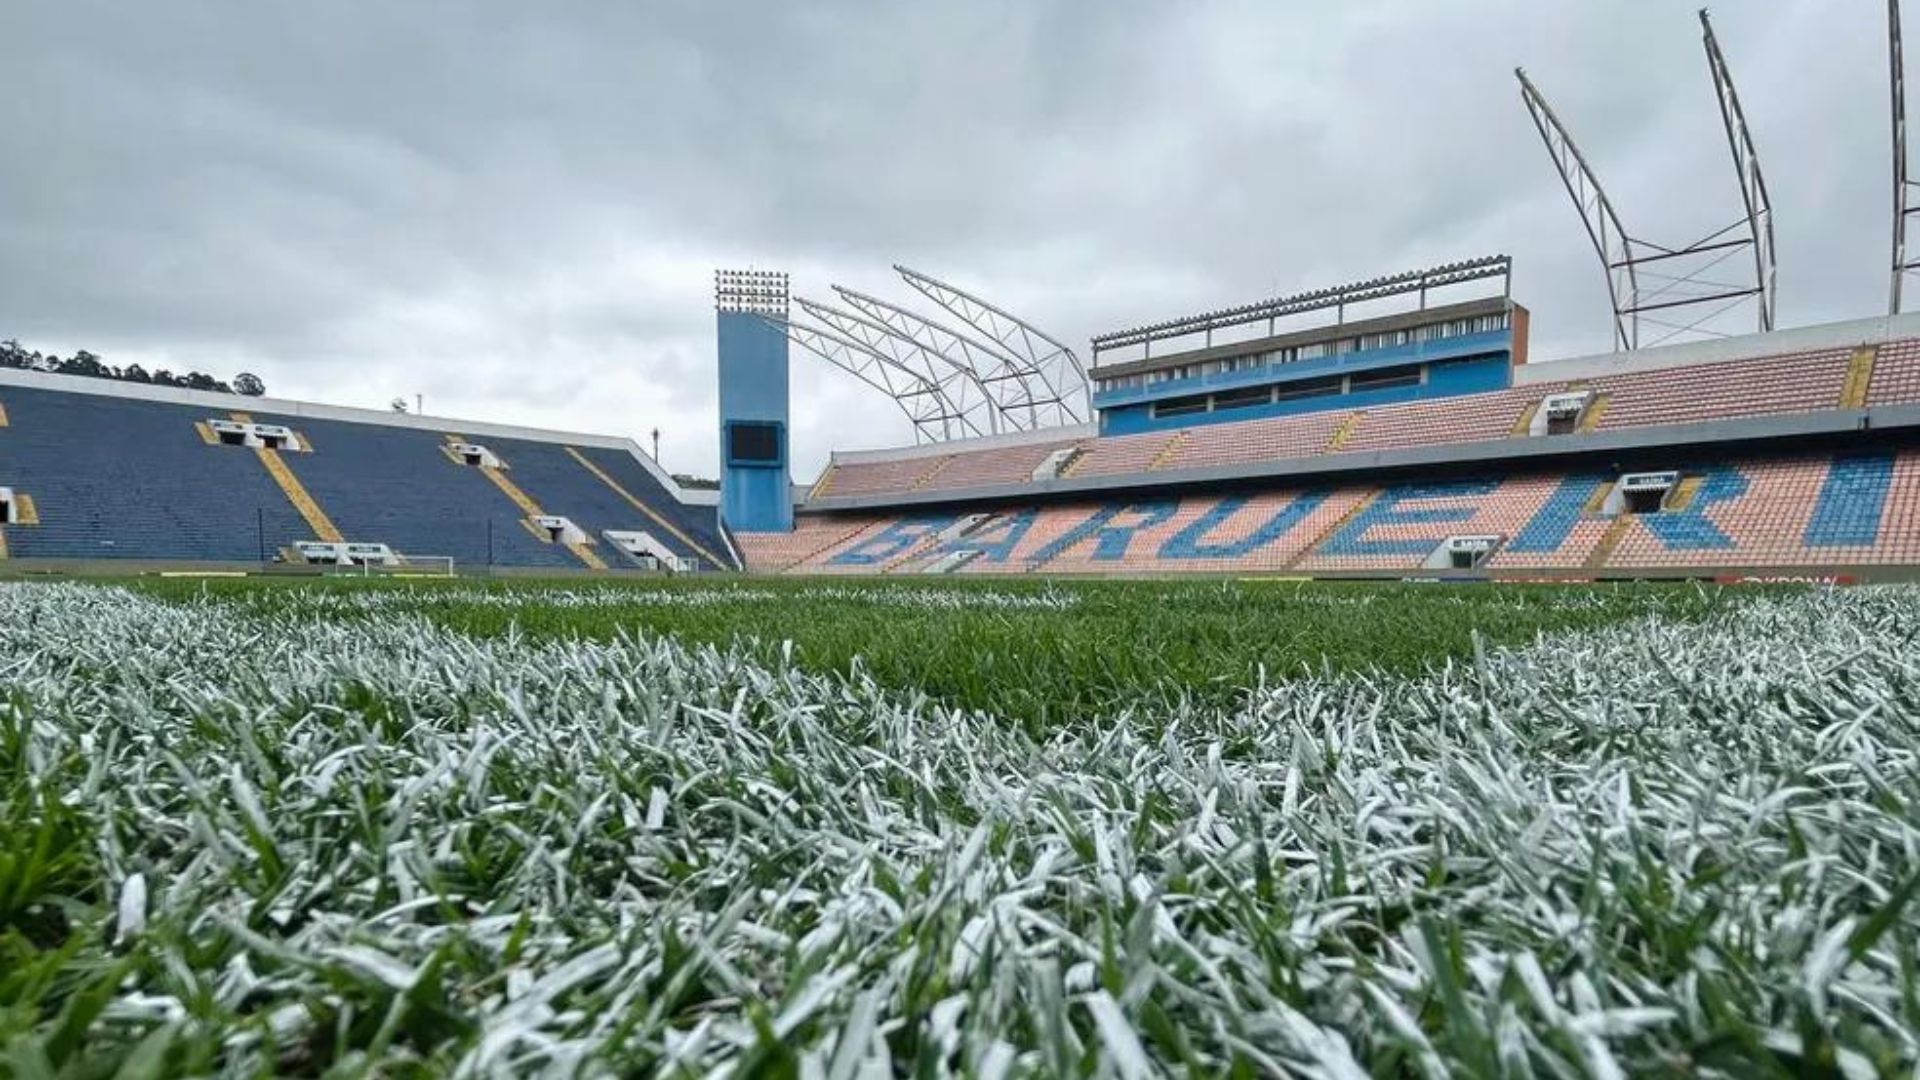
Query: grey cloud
[(514, 209)]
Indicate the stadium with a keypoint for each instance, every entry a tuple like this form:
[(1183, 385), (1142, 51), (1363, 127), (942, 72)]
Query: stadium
[(1420, 443), (1327, 684)]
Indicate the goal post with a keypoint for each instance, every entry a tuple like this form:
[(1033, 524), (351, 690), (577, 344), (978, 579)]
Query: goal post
[(423, 566), (409, 566)]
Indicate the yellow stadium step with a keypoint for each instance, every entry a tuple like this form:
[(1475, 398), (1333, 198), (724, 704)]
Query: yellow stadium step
[(512, 491), (1598, 499), (1682, 495), (1345, 431), (290, 486), (820, 486), (1180, 439), (296, 493), (1853, 393), (835, 540), (928, 476), (3, 414), (24, 512), (637, 504), (1523, 424), (917, 553), (1352, 512), (531, 509), (1596, 409), (1071, 461), (1609, 540), (206, 433)]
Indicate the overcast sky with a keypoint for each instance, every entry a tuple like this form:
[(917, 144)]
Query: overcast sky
[(515, 209)]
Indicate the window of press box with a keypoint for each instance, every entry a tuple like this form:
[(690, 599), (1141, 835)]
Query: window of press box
[(1243, 397), (1185, 406), (1384, 379), (1307, 388)]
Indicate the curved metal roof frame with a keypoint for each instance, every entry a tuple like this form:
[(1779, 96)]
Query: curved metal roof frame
[(1683, 272), (1057, 366), (1009, 379), (959, 383), (1903, 206), (1602, 223), (925, 403), (1746, 163)]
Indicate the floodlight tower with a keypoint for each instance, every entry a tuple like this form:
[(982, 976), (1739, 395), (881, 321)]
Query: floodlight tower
[(755, 492), (1903, 201)]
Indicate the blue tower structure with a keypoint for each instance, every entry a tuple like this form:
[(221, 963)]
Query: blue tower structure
[(755, 493)]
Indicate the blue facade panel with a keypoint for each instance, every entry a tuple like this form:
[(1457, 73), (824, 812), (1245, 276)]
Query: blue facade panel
[(1471, 376), (755, 496)]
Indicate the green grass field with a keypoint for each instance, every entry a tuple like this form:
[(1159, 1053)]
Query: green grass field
[(1041, 652), (857, 829)]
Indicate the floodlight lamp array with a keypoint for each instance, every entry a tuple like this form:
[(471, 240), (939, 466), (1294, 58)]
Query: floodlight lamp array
[(756, 292), (1413, 281)]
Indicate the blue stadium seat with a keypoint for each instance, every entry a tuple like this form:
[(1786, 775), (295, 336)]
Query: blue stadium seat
[(116, 477), (394, 486), (700, 523)]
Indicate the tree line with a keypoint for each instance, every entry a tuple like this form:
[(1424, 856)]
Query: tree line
[(84, 363)]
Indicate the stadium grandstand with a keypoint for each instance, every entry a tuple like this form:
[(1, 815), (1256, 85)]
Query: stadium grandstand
[(1416, 443), (1419, 441), (143, 476)]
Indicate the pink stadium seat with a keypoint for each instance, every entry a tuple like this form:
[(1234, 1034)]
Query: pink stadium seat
[(1276, 557), (1049, 524), (1766, 386), (878, 477), (820, 560), (1896, 375), (1501, 512), (1257, 440), (1080, 559), (1801, 382), (1122, 454), (989, 468), (1472, 418), (1768, 525), (1759, 514), (774, 552)]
